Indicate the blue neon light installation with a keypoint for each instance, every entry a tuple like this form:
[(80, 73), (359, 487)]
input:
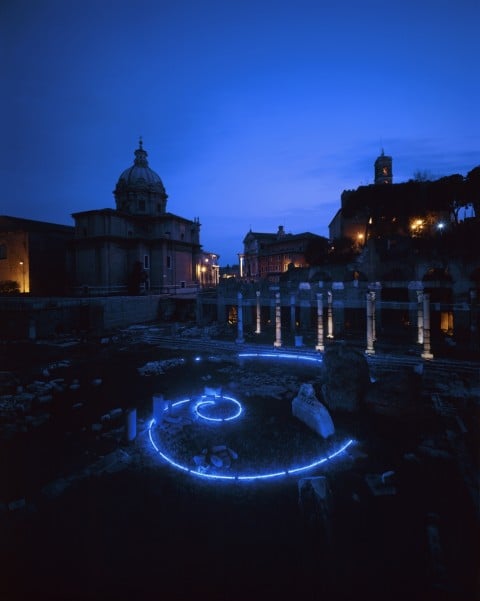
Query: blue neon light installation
[(249, 477), (206, 408), (213, 414), (280, 356)]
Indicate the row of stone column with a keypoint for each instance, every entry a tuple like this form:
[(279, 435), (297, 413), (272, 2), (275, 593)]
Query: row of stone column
[(423, 321)]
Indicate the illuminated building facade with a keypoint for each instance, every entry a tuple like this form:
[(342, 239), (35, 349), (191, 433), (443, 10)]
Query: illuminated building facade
[(32, 256), (208, 269), (387, 211), (139, 247), (266, 255)]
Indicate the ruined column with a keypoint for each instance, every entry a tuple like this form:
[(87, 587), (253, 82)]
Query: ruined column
[(320, 346), (131, 425), (292, 313), (427, 354), (329, 315), (370, 317), (258, 330), (240, 339), (420, 317), (376, 288), (159, 406), (374, 329), (278, 321)]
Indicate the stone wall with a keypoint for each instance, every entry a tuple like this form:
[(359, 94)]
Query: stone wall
[(22, 318)]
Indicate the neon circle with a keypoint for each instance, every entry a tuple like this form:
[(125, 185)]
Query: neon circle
[(205, 409), (250, 477), (212, 410)]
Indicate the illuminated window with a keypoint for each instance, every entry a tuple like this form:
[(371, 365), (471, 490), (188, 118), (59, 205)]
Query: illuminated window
[(232, 315), (446, 322)]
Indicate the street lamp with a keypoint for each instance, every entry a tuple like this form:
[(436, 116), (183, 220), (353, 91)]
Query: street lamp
[(23, 275)]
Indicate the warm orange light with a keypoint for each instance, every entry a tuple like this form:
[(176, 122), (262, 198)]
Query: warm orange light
[(417, 224)]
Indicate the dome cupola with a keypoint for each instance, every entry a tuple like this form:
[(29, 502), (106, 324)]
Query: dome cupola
[(139, 190)]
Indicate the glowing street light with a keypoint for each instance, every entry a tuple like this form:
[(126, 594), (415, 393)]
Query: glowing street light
[(23, 276)]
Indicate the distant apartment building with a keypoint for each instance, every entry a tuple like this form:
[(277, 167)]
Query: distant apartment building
[(267, 255), (33, 256)]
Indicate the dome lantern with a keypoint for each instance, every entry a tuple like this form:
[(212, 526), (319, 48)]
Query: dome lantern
[(139, 190)]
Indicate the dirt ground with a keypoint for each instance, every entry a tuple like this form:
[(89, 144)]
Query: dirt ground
[(143, 530)]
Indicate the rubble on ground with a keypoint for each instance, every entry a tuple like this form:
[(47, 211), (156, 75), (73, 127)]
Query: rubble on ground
[(216, 456), (155, 368)]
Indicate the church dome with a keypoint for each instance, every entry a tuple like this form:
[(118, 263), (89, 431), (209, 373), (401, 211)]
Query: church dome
[(139, 189)]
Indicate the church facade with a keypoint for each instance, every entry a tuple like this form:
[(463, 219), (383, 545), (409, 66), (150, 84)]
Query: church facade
[(138, 247)]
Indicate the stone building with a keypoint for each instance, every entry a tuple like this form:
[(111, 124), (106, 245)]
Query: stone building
[(409, 209), (409, 254), (32, 255), (139, 246), (353, 224), (383, 170), (208, 270), (268, 255)]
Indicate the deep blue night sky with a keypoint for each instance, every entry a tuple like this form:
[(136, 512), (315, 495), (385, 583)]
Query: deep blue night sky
[(255, 113)]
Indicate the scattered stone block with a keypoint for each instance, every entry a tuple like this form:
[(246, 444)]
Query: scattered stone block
[(307, 408), (200, 460), (232, 454), (75, 385), (216, 461), (115, 413), (381, 484), (346, 377), (45, 398), (212, 392), (314, 501)]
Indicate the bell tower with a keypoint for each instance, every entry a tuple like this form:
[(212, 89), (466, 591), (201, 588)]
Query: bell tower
[(383, 169)]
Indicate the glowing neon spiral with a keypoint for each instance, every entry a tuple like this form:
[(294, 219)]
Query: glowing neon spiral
[(216, 404), (207, 402)]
